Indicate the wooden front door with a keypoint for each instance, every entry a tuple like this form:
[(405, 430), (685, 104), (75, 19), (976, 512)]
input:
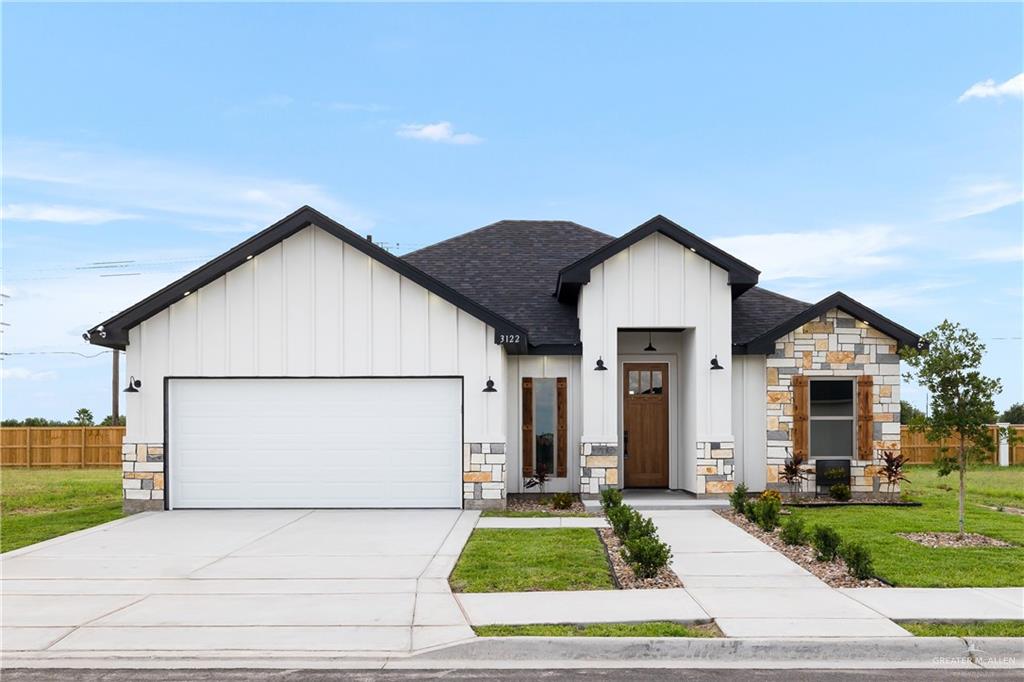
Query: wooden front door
[(645, 424)]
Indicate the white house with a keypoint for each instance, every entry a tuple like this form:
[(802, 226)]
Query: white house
[(308, 367)]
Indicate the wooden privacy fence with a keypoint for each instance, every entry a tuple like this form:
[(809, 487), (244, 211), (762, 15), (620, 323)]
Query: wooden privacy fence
[(919, 450), (61, 446)]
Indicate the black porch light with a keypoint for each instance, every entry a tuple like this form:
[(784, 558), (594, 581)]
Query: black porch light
[(650, 342), (489, 388), (715, 364), (600, 366), (133, 385)]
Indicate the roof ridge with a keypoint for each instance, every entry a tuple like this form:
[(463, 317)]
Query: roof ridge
[(498, 222), (783, 296)]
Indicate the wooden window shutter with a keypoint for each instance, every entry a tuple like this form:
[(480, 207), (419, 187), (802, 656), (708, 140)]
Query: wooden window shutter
[(801, 413), (865, 417), (527, 454), (562, 426)]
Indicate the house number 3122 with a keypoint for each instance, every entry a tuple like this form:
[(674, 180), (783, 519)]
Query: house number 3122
[(508, 338)]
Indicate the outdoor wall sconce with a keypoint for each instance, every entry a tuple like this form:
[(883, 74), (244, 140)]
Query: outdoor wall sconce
[(715, 364), (133, 385), (650, 343), (489, 388), (600, 366)]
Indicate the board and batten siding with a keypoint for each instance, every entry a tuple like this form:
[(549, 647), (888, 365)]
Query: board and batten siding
[(658, 283), (314, 306), (749, 413)]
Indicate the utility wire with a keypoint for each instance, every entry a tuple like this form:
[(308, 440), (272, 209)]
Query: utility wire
[(58, 352)]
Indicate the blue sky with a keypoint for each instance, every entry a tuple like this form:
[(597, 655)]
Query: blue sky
[(875, 149)]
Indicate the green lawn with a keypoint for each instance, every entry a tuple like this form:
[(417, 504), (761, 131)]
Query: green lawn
[(993, 628), (39, 504), (531, 560), (536, 514), (651, 629), (907, 564)]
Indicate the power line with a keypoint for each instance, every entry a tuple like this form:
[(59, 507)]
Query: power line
[(58, 352)]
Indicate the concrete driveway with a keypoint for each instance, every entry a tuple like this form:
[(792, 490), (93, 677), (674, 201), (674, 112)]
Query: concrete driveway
[(339, 581)]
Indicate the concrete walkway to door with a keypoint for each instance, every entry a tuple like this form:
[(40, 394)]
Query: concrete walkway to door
[(348, 582), (751, 590)]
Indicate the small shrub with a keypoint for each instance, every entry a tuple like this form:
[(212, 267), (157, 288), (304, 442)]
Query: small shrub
[(772, 495), (839, 492), (766, 513), (646, 555), (619, 517), (825, 541), (562, 500), (610, 497), (738, 498), (858, 560), (793, 532), (750, 510)]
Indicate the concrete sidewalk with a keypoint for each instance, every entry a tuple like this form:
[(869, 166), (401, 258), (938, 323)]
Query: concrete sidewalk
[(593, 606), (943, 604), (751, 590)]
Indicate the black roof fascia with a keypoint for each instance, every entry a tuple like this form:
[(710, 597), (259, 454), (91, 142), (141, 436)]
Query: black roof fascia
[(765, 343), (114, 333), (570, 278), (556, 349)]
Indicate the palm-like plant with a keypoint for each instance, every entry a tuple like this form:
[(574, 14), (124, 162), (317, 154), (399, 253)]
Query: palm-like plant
[(892, 470), (793, 472)]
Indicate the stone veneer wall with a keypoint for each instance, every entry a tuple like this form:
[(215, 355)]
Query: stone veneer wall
[(142, 477), (483, 475), (599, 467), (834, 345), (715, 467)]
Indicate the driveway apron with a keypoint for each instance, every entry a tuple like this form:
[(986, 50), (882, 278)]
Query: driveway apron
[(342, 581)]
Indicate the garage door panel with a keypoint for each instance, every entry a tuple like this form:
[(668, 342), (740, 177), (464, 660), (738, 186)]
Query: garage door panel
[(315, 442)]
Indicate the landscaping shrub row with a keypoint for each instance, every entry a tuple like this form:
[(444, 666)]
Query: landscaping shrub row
[(642, 549), (765, 512)]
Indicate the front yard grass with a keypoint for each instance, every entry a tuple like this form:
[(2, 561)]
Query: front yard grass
[(650, 629), (908, 564), (537, 514), (980, 628), (39, 504), (532, 560)]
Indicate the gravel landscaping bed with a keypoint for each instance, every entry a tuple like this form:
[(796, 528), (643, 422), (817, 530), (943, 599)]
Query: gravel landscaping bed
[(541, 502), (953, 540), (832, 573), (870, 499), (623, 573)]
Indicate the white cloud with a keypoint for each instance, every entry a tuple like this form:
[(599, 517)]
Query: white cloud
[(184, 192), (442, 131), (989, 88), (1010, 253), (59, 213), (978, 197), (834, 254), (24, 374)]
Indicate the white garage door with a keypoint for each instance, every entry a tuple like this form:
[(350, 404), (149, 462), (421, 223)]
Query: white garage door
[(276, 443)]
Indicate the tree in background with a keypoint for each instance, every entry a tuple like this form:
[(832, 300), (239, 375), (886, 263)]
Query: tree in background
[(34, 421), (909, 414), (963, 399), (109, 421), (84, 417), (1014, 415)]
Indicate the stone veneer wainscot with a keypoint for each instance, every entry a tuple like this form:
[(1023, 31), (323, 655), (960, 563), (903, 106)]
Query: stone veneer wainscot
[(142, 477), (483, 475), (599, 467), (834, 345), (715, 467)]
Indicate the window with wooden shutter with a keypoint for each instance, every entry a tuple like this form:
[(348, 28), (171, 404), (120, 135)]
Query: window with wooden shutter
[(527, 454), (563, 426), (865, 417), (801, 412)]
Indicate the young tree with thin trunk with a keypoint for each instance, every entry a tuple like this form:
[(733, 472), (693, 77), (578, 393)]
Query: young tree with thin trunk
[(962, 398)]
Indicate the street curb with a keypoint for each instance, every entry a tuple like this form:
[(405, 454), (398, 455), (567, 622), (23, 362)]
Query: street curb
[(532, 653)]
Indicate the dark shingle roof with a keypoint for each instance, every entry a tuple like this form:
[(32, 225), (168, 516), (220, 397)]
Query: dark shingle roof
[(757, 310), (511, 267)]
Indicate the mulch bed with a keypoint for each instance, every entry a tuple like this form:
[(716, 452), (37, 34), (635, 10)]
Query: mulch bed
[(869, 499), (624, 577), (832, 573), (531, 502), (936, 540)]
